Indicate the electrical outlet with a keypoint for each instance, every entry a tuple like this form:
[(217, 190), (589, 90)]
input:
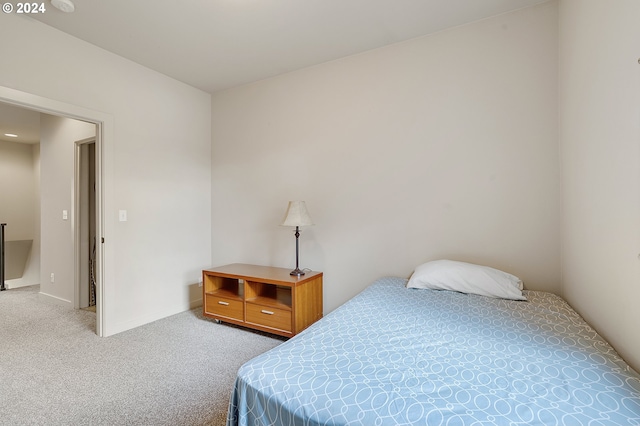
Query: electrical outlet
[(53, 277), (200, 283)]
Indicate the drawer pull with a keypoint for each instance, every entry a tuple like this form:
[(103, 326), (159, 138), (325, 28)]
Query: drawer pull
[(220, 302), (264, 311)]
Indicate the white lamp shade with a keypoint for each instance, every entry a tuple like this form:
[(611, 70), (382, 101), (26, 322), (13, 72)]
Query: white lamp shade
[(297, 215)]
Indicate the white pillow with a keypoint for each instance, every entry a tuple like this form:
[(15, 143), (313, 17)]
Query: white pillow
[(467, 278)]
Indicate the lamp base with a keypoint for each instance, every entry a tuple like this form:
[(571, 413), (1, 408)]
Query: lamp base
[(297, 272)]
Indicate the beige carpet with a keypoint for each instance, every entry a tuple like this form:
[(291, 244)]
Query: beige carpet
[(54, 370)]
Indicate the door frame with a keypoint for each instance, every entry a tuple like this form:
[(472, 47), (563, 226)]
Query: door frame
[(104, 180), (78, 201)]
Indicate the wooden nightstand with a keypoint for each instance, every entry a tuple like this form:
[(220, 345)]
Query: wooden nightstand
[(262, 297)]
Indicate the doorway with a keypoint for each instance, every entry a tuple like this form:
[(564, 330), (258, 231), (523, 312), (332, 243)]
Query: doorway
[(104, 124), (85, 245)]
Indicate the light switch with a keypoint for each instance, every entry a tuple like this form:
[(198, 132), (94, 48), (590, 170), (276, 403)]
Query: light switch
[(65, 215), (122, 215)]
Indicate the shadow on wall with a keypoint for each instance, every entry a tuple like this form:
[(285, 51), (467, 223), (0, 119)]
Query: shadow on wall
[(16, 254)]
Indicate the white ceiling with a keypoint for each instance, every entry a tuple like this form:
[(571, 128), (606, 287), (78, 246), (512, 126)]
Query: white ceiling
[(217, 44), (19, 121)]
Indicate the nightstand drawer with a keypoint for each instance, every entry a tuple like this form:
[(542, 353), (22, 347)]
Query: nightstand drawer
[(269, 317), (224, 307)]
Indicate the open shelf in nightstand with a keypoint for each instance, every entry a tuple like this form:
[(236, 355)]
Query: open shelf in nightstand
[(272, 295), (229, 288)]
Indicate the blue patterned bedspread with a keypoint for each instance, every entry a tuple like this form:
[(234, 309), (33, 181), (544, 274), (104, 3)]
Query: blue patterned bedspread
[(398, 356)]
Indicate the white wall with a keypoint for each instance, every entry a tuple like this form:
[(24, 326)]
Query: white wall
[(600, 149), (19, 207), (57, 156), (17, 186), (156, 165), (440, 147)]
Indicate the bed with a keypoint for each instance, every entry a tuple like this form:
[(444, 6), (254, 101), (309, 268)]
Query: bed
[(394, 355)]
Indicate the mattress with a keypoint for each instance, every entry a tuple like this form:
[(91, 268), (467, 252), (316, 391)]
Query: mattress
[(399, 356)]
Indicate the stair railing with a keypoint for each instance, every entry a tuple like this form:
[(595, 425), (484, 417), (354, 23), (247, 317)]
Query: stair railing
[(2, 287)]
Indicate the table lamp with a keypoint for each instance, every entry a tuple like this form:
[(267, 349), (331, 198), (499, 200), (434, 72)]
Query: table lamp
[(297, 215)]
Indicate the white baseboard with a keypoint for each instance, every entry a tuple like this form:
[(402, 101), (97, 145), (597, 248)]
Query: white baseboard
[(44, 297), (19, 282), (146, 319)]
